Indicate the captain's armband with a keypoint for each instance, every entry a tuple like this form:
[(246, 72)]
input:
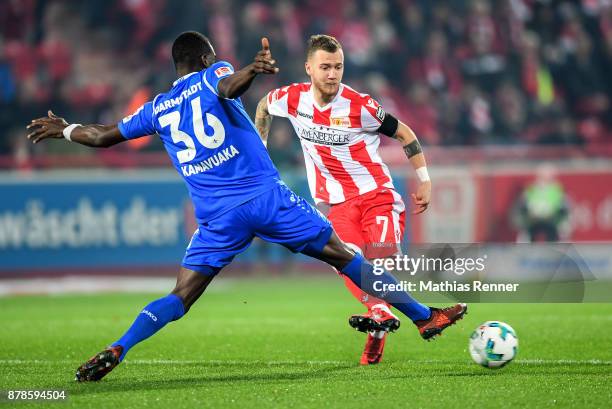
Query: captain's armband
[(389, 124)]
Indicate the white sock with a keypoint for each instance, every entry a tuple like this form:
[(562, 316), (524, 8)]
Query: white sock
[(378, 334)]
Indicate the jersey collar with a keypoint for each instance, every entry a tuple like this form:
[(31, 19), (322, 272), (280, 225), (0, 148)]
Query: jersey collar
[(183, 78), (326, 107)]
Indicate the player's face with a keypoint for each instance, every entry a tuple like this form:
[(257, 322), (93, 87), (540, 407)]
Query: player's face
[(325, 70)]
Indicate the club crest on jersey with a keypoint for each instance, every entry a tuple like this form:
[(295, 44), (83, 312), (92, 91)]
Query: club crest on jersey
[(344, 121), (222, 71), (380, 113)]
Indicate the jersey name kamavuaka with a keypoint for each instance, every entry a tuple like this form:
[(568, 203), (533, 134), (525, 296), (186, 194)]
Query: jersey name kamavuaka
[(340, 140)]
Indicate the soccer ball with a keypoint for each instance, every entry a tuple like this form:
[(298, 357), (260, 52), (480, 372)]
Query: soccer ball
[(493, 344)]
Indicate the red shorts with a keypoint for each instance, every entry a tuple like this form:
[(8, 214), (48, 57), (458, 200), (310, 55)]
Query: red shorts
[(374, 222)]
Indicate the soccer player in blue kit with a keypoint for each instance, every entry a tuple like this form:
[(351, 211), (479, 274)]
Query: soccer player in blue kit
[(236, 192)]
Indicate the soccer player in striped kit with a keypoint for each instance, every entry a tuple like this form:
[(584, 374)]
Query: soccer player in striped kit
[(339, 132)]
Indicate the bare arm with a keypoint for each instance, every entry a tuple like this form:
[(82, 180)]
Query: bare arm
[(95, 136), (236, 84), (406, 136), (263, 120), (416, 157)]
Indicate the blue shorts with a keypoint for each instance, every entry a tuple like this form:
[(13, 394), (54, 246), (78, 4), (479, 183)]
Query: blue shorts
[(278, 216)]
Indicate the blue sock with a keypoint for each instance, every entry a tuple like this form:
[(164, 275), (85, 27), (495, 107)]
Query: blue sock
[(359, 268), (150, 320)]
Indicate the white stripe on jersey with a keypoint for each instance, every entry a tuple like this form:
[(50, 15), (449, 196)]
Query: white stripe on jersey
[(341, 106), (368, 122), (332, 186), (361, 176), (372, 143)]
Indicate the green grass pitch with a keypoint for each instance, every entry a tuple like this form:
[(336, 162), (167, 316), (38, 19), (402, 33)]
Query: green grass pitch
[(285, 342)]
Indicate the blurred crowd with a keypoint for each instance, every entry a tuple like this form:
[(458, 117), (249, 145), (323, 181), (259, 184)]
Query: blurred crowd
[(476, 72)]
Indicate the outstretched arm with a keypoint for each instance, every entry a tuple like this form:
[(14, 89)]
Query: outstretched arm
[(52, 126), (263, 119), (236, 84)]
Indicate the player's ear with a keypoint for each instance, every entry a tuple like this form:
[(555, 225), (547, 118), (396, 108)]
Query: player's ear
[(307, 67), (208, 60)]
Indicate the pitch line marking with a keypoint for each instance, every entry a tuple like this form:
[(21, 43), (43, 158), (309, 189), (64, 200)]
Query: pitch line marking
[(298, 362)]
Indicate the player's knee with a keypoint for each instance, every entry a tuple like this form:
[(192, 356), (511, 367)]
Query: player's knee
[(190, 285), (183, 295), (337, 253), (188, 294), (345, 252), (355, 248)]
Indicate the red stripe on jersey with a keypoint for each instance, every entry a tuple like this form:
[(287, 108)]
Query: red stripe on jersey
[(356, 102), (293, 99), (320, 186), (365, 101), (334, 166), (277, 94), (360, 154), (321, 117)]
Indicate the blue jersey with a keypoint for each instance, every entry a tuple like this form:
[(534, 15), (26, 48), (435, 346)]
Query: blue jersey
[(211, 140)]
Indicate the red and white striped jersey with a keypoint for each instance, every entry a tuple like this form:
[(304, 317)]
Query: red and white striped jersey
[(340, 140)]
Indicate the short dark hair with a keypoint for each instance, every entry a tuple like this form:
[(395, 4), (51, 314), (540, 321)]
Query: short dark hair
[(322, 42), (189, 47)]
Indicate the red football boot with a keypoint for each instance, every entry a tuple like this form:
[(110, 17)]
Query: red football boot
[(377, 323), (440, 319), (99, 365), (378, 318), (374, 347)]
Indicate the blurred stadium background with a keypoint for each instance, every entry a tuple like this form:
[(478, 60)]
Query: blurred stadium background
[(511, 98)]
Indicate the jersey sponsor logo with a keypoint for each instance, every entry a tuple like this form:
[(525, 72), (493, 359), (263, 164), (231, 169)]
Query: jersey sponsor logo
[(380, 113), (304, 115), (211, 162), (223, 71), (325, 138), (344, 121)]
